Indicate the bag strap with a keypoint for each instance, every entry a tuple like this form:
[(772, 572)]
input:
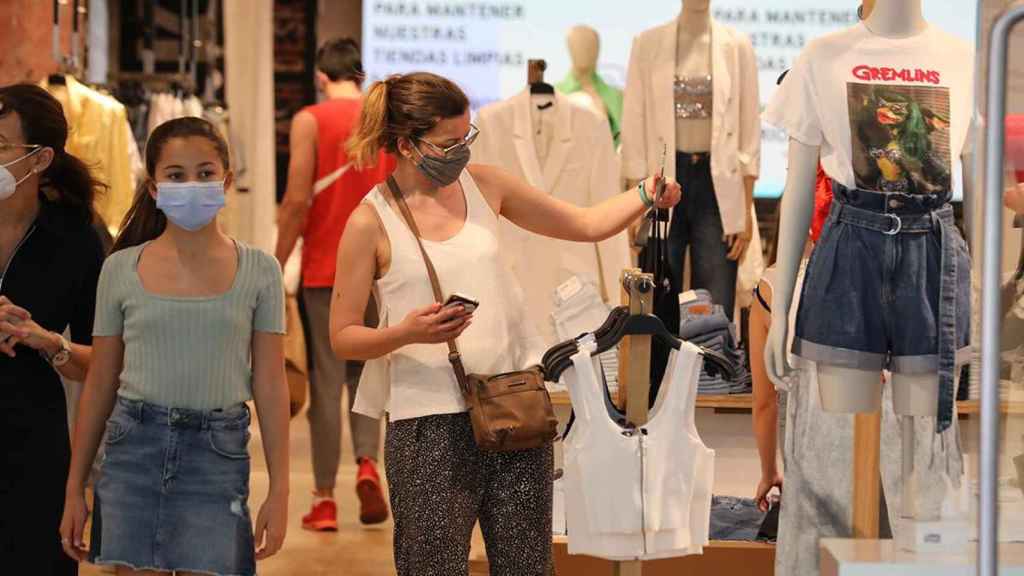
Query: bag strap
[(454, 357)]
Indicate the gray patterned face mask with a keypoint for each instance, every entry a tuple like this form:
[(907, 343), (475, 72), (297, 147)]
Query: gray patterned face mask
[(443, 170)]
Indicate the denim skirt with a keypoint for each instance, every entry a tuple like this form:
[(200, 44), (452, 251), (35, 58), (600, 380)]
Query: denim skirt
[(173, 491)]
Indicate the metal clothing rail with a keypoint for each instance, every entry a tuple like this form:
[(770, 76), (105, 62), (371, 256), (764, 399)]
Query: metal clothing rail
[(991, 281)]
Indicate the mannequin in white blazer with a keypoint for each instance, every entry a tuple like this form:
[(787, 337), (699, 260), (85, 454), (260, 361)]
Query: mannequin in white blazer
[(650, 123), (579, 166)]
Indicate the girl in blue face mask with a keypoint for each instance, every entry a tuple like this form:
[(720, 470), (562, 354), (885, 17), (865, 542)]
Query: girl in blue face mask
[(188, 329)]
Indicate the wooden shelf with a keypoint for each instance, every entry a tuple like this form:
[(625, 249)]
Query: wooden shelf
[(972, 407), (719, 557), (746, 544)]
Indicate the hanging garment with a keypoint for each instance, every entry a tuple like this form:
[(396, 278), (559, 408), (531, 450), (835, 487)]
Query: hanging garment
[(649, 126), (637, 492), (610, 96), (99, 135), (581, 168), (578, 308), (648, 118)]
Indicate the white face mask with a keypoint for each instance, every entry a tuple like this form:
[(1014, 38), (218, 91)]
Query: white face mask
[(8, 183)]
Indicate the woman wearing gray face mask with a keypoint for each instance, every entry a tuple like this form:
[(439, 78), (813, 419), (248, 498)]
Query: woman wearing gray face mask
[(440, 482)]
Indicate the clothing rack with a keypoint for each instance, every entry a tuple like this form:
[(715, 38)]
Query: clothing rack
[(66, 63), (635, 370), (157, 80)]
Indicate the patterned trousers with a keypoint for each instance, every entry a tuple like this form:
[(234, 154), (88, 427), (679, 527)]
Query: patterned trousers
[(441, 484)]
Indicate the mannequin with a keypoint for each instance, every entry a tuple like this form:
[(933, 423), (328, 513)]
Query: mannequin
[(693, 60), (584, 47), (584, 85), (679, 73), (669, 125), (844, 389)]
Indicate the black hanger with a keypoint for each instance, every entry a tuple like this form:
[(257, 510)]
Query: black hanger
[(618, 325), (568, 348), (541, 88)]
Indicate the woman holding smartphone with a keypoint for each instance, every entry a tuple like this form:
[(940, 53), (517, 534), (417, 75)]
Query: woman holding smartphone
[(441, 483)]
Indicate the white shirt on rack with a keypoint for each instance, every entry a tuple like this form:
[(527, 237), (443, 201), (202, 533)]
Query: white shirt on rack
[(637, 493)]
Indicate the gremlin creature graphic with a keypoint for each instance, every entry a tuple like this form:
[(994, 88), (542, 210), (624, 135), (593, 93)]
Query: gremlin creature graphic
[(895, 131)]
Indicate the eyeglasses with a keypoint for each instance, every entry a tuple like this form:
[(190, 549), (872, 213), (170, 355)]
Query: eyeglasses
[(467, 140), (7, 147)]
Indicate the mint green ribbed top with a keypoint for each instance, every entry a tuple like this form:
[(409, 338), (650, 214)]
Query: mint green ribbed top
[(184, 352)]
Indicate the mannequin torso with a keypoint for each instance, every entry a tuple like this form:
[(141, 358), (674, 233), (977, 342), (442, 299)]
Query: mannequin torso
[(842, 389), (693, 67)]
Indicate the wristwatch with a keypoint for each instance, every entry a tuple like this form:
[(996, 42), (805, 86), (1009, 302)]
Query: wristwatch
[(63, 355)]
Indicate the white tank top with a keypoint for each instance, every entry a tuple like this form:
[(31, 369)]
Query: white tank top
[(417, 380), (641, 493)]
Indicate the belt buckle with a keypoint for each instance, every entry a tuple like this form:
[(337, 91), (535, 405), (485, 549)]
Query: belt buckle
[(896, 229)]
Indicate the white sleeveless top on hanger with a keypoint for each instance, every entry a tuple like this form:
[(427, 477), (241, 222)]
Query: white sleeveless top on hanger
[(639, 493), (417, 380)]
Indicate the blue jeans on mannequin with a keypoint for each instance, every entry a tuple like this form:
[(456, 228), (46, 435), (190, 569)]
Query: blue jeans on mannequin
[(697, 224)]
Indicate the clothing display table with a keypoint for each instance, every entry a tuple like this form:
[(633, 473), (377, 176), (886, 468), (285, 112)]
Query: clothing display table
[(848, 557)]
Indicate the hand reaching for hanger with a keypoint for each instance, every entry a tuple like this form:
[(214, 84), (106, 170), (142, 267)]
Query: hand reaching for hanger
[(670, 196)]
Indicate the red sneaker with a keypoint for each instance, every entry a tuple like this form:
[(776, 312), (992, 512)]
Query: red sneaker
[(372, 508), (323, 517)]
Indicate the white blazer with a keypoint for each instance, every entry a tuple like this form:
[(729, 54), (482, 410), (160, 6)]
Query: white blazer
[(649, 122), (581, 168)]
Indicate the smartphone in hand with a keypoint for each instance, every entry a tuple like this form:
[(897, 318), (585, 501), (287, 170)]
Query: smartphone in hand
[(468, 303)]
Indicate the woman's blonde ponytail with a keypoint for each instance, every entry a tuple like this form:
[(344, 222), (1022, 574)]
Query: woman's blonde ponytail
[(365, 144), (406, 107)]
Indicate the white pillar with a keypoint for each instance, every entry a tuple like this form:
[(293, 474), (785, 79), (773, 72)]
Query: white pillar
[(249, 71)]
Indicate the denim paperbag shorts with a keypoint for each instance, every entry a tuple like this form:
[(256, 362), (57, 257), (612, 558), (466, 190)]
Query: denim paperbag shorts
[(888, 286), (173, 490)]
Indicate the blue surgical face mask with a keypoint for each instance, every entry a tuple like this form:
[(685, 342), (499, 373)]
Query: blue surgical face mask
[(190, 205)]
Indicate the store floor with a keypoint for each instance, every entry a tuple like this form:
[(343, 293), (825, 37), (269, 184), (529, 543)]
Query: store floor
[(354, 550)]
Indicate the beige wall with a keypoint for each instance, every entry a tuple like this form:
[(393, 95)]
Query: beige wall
[(26, 39), (339, 18)]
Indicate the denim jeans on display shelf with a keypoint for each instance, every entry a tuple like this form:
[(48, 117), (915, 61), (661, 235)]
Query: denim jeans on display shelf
[(734, 518)]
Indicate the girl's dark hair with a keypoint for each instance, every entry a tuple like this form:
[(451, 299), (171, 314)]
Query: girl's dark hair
[(67, 178), (404, 106), (144, 221)]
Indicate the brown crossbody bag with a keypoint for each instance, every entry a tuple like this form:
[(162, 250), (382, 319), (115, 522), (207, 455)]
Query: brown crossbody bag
[(510, 411)]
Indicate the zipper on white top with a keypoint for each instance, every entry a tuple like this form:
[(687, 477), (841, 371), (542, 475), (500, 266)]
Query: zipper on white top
[(642, 435), (7, 267)]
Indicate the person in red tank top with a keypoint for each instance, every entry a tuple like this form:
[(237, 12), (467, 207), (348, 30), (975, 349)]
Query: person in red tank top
[(323, 190)]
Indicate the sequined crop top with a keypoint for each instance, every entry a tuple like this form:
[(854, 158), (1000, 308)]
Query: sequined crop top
[(692, 97)]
